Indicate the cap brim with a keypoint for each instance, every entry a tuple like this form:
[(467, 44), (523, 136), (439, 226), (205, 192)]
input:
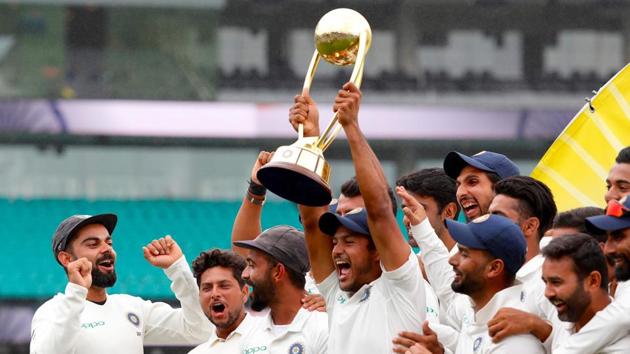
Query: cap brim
[(454, 163), (107, 220), (252, 244), (462, 234), (607, 223), (330, 222)]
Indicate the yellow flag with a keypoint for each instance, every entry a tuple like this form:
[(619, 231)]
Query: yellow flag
[(577, 163)]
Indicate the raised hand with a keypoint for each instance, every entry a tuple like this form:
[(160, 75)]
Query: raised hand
[(304, 111), (413, 210), (80, 272), (263, 158), (347, 104), (163, 252)]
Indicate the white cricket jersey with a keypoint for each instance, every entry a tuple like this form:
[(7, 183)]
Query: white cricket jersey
[(440, 273), (69, 324), (474, 337), (565, 330), (608, 326), (368, 321), (432, 303), (456, 310), (307, 334), (232, 344), (310, 286)]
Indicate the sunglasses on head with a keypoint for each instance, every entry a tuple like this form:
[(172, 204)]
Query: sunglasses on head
[(617, 209)]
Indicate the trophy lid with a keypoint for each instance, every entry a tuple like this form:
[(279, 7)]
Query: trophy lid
[(337, 36)]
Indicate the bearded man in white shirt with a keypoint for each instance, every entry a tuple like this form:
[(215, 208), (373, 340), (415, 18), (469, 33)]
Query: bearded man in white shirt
[(491, 249), (85, 319), (575, 274), (613, 322), (363, 266)]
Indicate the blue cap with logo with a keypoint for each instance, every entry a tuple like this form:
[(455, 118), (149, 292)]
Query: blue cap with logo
[(617, 217), (498, 235), (355, 220), (487, 161)]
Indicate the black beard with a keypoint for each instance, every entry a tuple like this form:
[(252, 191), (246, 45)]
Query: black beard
[(576, 305), (467, 286), (622, 272), (261, 295), (103, 280)]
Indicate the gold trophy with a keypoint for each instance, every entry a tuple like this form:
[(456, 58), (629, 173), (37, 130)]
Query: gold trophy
[(299, 172)]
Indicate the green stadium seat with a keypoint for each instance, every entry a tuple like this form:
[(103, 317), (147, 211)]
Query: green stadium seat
[(28, 226)]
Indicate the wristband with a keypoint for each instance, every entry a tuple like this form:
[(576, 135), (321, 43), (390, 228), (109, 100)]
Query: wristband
[(252, 199), (256, 189)]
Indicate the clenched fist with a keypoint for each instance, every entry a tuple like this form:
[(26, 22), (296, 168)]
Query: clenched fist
[(162, 252), (80, 272), (304, 111)]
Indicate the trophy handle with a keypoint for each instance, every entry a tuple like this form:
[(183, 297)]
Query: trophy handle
[(333, 127), (308, 80)]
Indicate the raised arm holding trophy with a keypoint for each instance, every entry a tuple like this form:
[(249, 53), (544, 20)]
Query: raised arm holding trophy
[(299, 172)]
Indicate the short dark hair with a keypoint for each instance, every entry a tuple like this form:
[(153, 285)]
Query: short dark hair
[(535, 199), (576, 219), (219, 258), (296, 278), (431, 182), (624, 155), (584, 251), (493, 177), (350, 188)]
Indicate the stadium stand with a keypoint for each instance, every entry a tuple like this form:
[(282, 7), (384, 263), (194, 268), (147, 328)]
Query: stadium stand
[(27, 226)]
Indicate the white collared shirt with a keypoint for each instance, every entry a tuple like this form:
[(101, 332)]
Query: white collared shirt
[(368, 321), (565, 330), (474, 337), (232, 344), (307, 334), (455, 309), (69, 323), (608, 326)]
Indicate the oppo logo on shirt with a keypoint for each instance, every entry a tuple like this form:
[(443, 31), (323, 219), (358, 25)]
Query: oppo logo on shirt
[(253, 350), (92, 324)]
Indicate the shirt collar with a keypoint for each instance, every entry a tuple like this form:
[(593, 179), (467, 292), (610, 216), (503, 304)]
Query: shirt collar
[(533, 265), (498, 301), (295, 326), (242, 329)]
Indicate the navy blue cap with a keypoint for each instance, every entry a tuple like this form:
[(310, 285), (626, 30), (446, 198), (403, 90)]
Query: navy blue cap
[(355, 221), (487, 161), (617, 217), (494, 233)]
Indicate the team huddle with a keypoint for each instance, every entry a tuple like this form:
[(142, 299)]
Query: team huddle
[(517, 277)]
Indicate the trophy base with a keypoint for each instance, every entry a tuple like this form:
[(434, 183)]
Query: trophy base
[(295, 183)]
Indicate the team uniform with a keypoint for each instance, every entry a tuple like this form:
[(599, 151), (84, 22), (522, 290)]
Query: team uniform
[(473, 333), (563, 331), (598, 333), (457, 309), (68, 323), (307, 334), (371, 318), (232, 344)]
